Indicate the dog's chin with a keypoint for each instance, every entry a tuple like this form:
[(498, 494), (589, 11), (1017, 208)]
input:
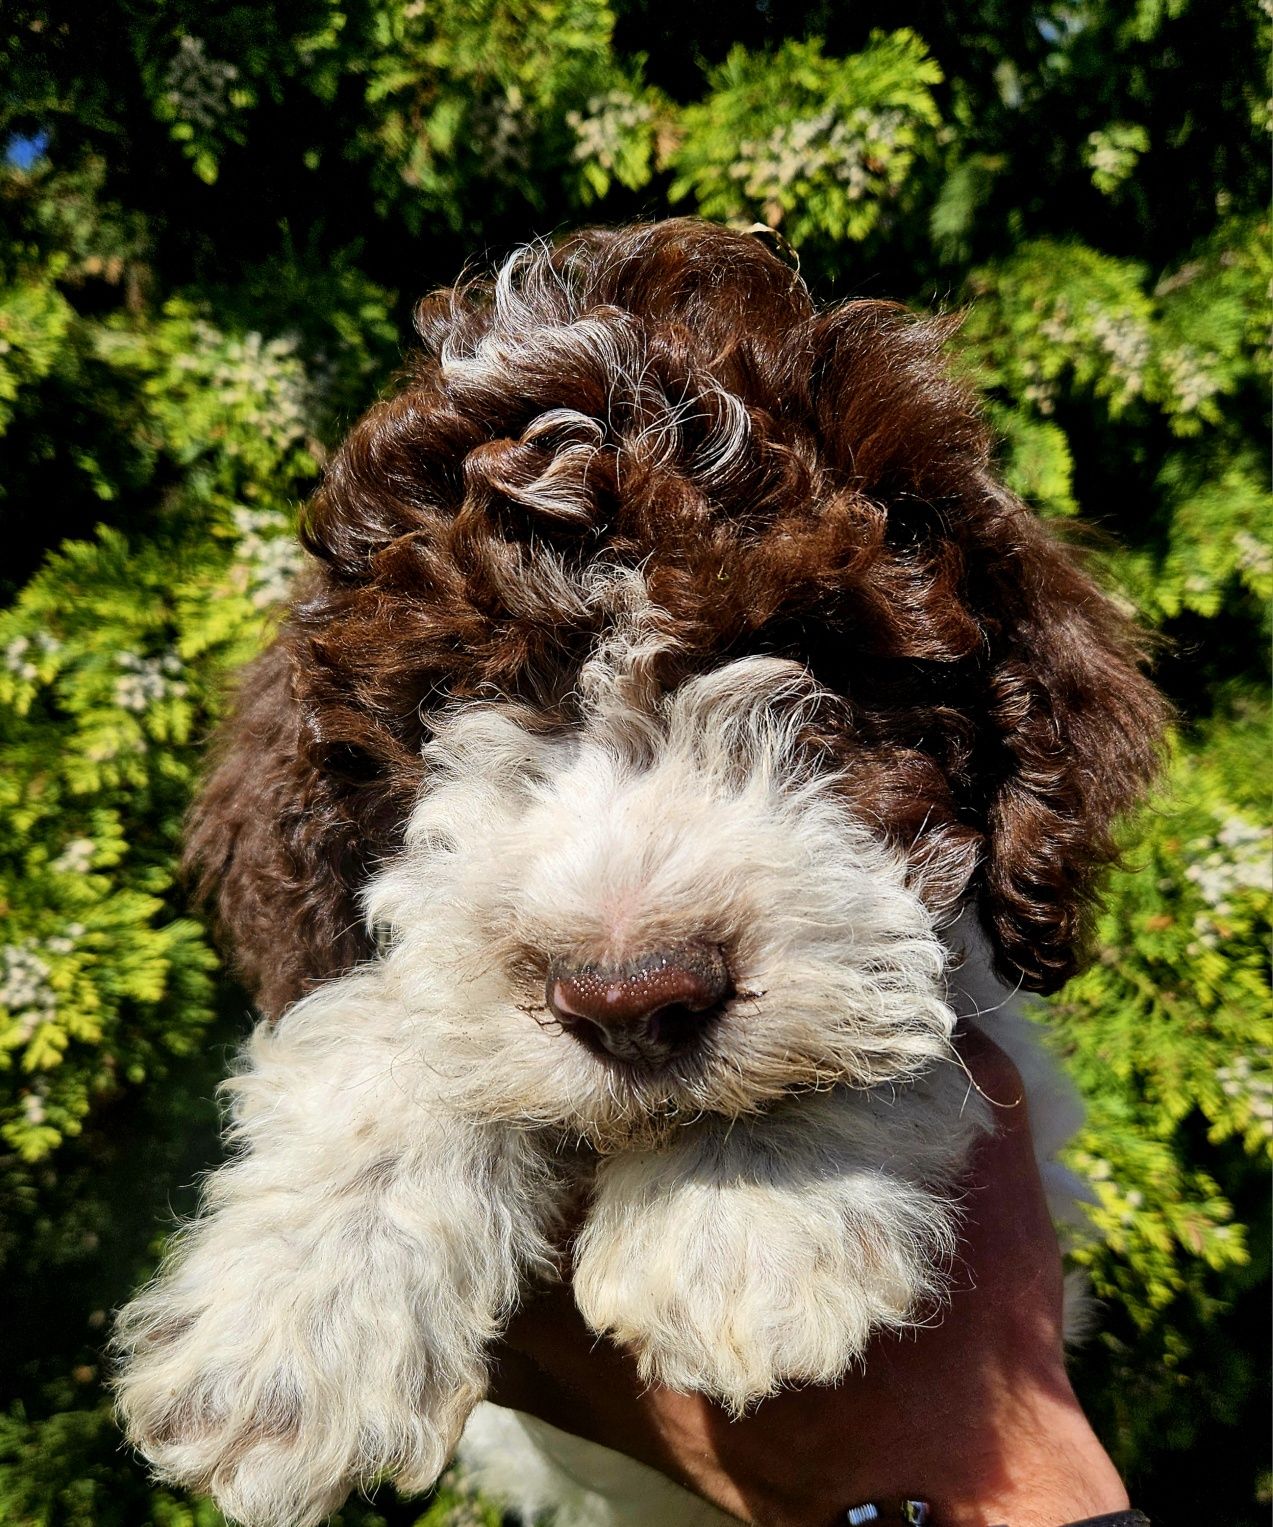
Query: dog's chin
[(615, 1104)]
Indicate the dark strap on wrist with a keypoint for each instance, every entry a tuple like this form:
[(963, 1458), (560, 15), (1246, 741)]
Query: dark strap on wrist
[(917, 1511), (1114, 1519)]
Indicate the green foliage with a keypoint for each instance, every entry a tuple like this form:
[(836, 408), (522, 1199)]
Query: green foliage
[(503, 94), (54, 1472), (212, 224), (1213, 327), (1035, 458), (1215, 516), (1059, 327), (969, 183), (34, 321), (113, 657), (1168, 1034), (820, 147), (1165, 1013), (1055, 314)]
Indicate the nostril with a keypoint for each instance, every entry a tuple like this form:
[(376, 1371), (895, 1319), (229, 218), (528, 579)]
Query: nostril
[(645, 1008), (676, 1026)]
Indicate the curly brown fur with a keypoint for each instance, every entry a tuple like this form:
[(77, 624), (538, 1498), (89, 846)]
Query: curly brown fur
[(792, 481)]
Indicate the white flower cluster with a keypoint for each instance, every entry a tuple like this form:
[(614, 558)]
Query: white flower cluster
[(1111, 153), (20, 654), (270, 553), (1039, 391), (1240, 1080), (1058, 330), (848, 149), (1191, 376), (24, 985), (33, 1105), (147, 679), (1125, 340), (265, 376), (198, 87), (1126, 1203), (1238, 858), (76, 857), (610, 120), (1253, 555), (26, 991), (503, 129), (1057, 327), (1106, 159)]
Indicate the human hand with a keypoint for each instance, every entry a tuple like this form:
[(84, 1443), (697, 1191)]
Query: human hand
[(973, 1413)]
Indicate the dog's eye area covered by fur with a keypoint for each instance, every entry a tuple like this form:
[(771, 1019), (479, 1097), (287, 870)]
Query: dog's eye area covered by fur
[(662, 410), (661, 912)]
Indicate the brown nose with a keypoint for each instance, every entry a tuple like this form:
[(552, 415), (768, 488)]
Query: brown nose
[(644, 1010)]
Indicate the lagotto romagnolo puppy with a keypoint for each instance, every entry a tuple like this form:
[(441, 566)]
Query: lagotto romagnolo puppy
[(679, 729)]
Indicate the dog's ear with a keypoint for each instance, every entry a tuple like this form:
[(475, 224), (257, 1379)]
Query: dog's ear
[(1046, 730), (1077, 730), (284, 832)]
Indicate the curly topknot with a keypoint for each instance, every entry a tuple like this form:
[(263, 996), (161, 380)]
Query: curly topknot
[(812, 483)]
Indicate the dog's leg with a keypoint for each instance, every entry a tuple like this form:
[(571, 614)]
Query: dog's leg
[(751, 1254), (324, 1321)]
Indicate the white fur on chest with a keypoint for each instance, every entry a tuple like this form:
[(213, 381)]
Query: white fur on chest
[(543, 1475)]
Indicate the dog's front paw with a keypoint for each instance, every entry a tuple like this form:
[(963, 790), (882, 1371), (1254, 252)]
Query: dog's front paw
[(224, 1417), (273, 1403), (241, 1435), (731, 1269)]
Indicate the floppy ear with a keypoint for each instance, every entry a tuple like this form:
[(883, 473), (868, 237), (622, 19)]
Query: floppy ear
[(1050, 732), (288, 825), (278, 869), (1078, 731)]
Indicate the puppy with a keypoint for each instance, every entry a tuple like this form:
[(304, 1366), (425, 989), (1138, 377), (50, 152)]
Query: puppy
[(678, 730)]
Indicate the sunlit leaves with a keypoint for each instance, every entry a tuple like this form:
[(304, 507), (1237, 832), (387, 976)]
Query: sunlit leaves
[(821, 147)]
